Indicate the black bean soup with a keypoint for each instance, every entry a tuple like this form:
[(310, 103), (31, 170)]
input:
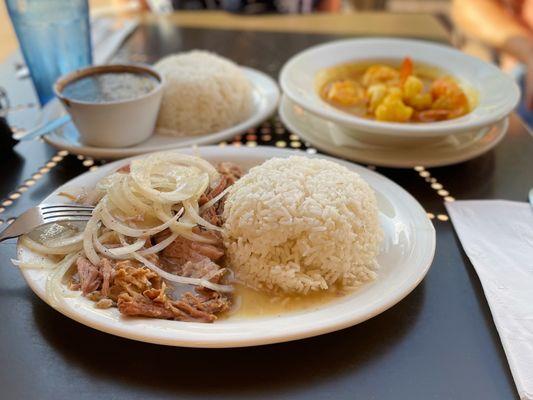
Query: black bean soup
[(108, 87)]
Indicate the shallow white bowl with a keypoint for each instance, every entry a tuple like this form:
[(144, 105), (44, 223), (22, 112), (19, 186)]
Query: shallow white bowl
[(406, 255), (498, 94)]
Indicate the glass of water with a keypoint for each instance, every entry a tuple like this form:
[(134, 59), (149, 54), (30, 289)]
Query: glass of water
[(54, 37)]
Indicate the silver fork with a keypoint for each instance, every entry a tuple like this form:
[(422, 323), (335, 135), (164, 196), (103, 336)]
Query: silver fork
[(44, 214)]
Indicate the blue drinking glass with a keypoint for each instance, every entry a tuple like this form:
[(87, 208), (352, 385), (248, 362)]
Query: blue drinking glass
[(55, 38)]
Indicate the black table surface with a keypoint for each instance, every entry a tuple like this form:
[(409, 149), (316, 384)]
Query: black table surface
[(438, 343)]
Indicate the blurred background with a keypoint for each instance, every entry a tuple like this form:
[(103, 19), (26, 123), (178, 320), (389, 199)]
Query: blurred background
[(498, 31), (440, 8)]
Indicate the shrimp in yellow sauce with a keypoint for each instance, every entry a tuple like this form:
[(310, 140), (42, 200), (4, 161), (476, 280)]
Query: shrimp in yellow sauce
[(394, 94)]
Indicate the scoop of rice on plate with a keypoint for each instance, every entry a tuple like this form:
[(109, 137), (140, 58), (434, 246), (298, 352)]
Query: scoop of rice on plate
[(203, 93), (300, 224)]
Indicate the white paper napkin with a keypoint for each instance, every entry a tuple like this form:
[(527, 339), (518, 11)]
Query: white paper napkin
[(497, 236)]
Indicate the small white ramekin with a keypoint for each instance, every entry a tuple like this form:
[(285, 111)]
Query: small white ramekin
[(118, 123)]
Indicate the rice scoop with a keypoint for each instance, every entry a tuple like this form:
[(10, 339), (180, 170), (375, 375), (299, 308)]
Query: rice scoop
[(203, 93), (297, 224)]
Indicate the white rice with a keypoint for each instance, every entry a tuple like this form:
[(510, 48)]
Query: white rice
[(203, 93), (298, 224)]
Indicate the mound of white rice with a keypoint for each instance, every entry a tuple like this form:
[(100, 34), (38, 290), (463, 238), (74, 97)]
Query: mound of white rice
[(203, 93), (298, 224)]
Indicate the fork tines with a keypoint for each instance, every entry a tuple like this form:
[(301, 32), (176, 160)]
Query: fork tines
[(65, 211), (65, 206)]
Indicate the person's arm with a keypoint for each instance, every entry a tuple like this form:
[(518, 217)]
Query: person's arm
[(488, 20), (492, 23)]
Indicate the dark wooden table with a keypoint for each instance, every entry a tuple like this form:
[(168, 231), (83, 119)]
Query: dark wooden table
[(438, 343)]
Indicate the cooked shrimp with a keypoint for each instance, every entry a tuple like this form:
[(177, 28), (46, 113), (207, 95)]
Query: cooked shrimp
[(406, 69), (376, 94), (397, 94), (413, 94), (448, 95), (380, 74), (393, 109), (346, 93)]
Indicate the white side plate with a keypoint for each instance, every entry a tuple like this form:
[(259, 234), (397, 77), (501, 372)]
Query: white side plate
[(407, 253), (265, 97)]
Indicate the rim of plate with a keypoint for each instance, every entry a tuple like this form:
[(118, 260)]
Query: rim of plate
[(496, 134), (455, 61), (267, 330), (265, 88)]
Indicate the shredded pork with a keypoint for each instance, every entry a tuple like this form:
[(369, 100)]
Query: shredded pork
[(89, 276), (139, 292)]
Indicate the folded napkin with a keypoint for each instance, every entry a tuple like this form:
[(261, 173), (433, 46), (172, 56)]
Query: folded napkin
[(497, 236)]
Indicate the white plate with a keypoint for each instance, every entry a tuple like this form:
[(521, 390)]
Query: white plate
[(318, 132), (406, 256), (265, 98), (498, 94)]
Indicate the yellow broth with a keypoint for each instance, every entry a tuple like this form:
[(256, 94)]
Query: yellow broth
[(356, 70), (250, 303)]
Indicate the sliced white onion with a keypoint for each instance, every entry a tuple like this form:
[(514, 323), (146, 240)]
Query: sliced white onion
[(100, 248), (111, 253), (184, 229), (164, 213), (112, 223), (122, 195), (172, 177), (119, 200), (128, 248), (193, 214), (214, 200), (106, 182), (49, 250), (32, 265), (156, 248), (90, 232), (106, 251), (55, 291), (188, 160), (182, 279), (132, 197), (144, 176)]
